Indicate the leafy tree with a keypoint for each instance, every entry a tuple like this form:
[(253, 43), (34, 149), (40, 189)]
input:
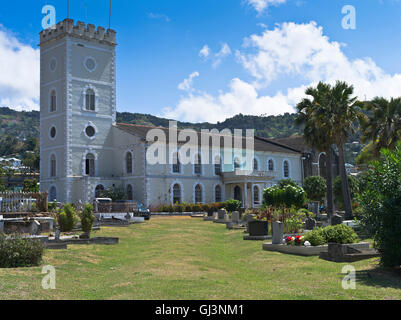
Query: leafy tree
[(380, 200), (315, 187), (115, 194), (31, 186)]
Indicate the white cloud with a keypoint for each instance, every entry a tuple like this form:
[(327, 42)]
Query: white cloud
[(218, 57), (298, 52), (19, 76), (186, 85), (261, 5), (224, 52), (303, 52), (159, 16), (241, 97), (205, 52)]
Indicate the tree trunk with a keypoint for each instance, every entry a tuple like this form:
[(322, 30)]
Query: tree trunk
[(329, 182), (344, 184)]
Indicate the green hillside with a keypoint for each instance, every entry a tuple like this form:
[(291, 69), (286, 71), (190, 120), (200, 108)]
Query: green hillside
[(19, 131)]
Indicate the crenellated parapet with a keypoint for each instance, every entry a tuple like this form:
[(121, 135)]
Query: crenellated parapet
[(80, 30)]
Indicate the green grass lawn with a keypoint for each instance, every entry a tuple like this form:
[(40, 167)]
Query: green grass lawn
[(184, 258)]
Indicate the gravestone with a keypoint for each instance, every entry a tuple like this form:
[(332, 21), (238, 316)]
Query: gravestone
[(1, 224), (57, 234), (221, 214), (278, 232), (336, 220), (249, 218), (34, 228), (236, 217), (310, 224)]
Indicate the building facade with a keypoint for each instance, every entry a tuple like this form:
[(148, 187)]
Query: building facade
[(84, 150)]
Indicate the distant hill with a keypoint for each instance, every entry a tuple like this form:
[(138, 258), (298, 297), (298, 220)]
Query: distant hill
[(19, 131)]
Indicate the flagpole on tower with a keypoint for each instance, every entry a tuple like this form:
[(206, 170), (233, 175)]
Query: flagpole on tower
[(68, 9), (110, 15), (85, 14)]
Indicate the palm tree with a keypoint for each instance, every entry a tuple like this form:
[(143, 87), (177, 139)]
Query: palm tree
[(317, 130), (344, 113), (383, 125)]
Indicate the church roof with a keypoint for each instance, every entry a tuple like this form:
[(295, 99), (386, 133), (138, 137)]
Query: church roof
[(295, 142), (260, 144)]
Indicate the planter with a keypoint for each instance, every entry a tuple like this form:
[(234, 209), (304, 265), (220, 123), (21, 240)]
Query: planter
[(312, 251), (258, 228), (296, 250)]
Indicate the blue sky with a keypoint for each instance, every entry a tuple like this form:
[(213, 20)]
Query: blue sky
[(162, 71)]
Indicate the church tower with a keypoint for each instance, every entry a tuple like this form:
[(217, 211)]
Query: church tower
[(77, 109)]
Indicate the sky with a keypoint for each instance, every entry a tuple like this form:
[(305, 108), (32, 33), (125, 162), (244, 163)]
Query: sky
[(207, 60)]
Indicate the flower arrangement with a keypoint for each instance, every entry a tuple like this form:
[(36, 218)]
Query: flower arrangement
[(295, 241)]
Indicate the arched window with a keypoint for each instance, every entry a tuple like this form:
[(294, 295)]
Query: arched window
[(99, 191), (53, 194), (53, 166), (237, 164), (255, 165), (90, 100), (256, 198), (128, 162), (286, 169), (176, 163), (270, 165), (130, 193), (198, 194), (198, 165), (177, 194), (53, 101), (217, 165), (90, 165), (217, 193)]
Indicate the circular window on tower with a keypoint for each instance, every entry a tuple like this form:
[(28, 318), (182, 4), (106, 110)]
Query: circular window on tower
[(90, 64), (90, 131), (53, 132), (53, 64)]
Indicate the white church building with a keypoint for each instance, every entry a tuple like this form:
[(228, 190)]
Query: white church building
[(84, 151)]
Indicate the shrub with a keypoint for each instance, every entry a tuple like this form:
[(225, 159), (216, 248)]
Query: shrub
[(381, 206), (339, 234), (338, 190), (287, 182), (197, 207), (87, 218), (315, 237), (67, 218), (332, 234), (286, 196), (178, 207), (232, 205), (315, 187), (18, 252)]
